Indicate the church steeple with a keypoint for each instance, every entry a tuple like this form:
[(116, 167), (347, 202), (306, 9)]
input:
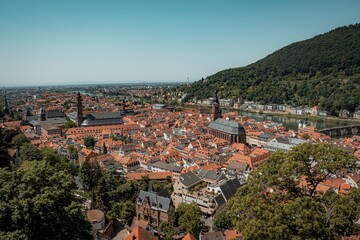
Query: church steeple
[(215, 108), (80, 117), (6, 107)]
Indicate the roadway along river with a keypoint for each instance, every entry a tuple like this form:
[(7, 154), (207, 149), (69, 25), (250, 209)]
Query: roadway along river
[(288, 121)]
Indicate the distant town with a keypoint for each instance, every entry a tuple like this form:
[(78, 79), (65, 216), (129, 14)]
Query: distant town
[(166, 155)]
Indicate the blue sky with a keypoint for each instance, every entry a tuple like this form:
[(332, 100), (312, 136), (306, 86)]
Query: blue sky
[(45, 42)]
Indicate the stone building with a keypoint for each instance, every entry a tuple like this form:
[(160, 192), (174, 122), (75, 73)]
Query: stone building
[(153, 207), (229, 130)]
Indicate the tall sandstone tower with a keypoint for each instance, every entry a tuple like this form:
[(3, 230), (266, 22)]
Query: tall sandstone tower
[(215, 109), (80, 117)]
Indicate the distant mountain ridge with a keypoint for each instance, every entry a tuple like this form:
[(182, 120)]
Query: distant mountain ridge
[(322, 71)]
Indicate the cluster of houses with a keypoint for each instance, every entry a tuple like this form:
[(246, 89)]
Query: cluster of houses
[(207, 156), (279, 108)]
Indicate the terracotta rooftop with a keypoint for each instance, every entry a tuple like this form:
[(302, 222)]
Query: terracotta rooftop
[(140, 233)]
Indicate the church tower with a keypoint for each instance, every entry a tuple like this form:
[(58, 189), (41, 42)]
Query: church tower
[(79, 110), (215, 108), (6, 107), (42, 114)]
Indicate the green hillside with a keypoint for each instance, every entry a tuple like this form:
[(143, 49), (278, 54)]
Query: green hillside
[(323, 71)]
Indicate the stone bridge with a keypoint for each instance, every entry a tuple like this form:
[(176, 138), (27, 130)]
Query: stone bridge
[(341, 130)]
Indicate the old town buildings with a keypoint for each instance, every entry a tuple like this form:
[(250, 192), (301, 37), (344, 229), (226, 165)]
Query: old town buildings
[(205, 156)]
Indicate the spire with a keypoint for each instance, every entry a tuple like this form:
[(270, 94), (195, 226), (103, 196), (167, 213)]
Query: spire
[(6, 107), (79, 110), (215, 108), (216, 97)]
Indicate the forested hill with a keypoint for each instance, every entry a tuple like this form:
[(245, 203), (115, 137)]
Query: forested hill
[(323, 71)]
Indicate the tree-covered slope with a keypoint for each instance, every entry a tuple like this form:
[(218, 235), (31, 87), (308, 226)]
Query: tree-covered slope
[(324, 71)]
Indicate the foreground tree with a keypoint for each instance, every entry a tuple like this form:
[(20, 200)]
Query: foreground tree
[(19, 140), (167, 229), (222, 222), (29, 152), (189, 218), (281, 200), (4, 157), (89, 175), (123, 211), (37, 202)]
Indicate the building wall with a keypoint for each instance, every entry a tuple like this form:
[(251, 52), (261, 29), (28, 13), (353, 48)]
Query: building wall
[(232, 138), (153, 216)]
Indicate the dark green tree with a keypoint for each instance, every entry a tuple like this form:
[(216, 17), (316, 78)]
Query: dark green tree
[(189, 218), (19, 140), (4, 157), (70, 124), (123, 211), (126, 191), (89, 142), (274, 205), (35, 200), (89, 175), (222, 222), (29, 152), (167, 229), (104, 149), (73, 152)]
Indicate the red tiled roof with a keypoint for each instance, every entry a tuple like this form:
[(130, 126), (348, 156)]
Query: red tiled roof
[(151, 175), (189, 237), (140, 233), (232, 234)]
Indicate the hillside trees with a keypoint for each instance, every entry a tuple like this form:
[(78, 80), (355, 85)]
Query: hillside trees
[(282, 201), (189, 218), (36, 199), (324, 71)]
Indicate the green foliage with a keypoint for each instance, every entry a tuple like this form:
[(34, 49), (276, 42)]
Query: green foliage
[(29, 152), (19, 140), (124, 211), (70, 124), (167, 229), (106, 187), (35, 200), (89, 175), (73, 152), (222, 222), (189, 218), (323, 71), (144, 183), (4, 155), (89, 142), (273, 205), (159, 186), (126, 191), (57, 161), (104, 149)]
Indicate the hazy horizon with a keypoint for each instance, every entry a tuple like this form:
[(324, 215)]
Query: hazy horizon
[(49, 42)]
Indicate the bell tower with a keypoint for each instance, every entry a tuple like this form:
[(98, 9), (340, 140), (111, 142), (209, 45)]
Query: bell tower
[(215, 108), (80, 117)]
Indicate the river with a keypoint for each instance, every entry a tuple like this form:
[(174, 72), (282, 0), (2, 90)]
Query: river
[(288, 121)]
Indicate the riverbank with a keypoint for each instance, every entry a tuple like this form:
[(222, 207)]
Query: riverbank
[(326, 120), (330, 119)]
